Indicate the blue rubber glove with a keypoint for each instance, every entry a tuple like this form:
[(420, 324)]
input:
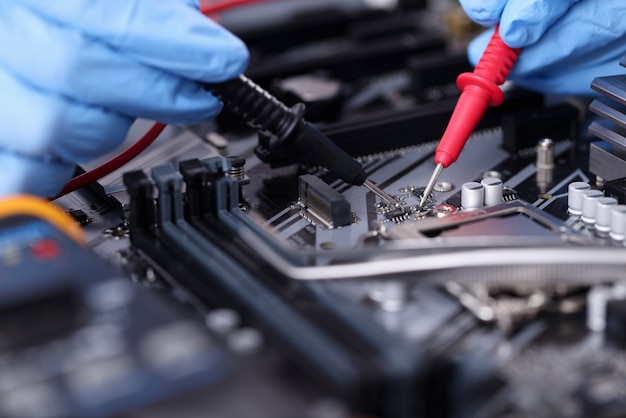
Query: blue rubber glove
[(567, 43), (74, 74)]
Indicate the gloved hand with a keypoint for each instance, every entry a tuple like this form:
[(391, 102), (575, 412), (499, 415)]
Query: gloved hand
[(74, 74), (567, 43)]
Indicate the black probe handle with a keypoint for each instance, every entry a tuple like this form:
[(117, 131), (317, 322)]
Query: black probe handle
[(319, 149), (267, 114)]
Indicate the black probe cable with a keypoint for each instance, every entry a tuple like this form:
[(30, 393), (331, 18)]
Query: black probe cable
[(268, 115)]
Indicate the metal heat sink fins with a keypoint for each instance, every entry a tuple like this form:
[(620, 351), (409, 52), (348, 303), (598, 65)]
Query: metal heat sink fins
[(608, 160), (324, 203)]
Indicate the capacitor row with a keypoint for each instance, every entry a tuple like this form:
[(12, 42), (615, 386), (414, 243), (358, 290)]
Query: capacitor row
[(602, 212), (476, 195)]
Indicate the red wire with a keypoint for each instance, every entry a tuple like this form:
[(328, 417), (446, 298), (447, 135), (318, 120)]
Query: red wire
[(153, 133), (116, 162), (211, 8)]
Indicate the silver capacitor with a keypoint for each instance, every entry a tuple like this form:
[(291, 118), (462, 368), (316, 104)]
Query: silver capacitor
[(590, 198), (575, 197), (472, 195), (604, 207), (618, 223), (493, 191)]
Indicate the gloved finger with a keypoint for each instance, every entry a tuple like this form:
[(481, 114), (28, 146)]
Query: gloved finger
[(170, 35), (588, 42), (22, 174), (523, 22), (52, 127), (484, 12), (91, 72), (590, 34), (575, 80)]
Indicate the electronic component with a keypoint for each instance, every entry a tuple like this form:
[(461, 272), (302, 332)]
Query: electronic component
[(589, 206), (618, 222), (323, 202), (545, 164), (575, 194), (606, 159), (604, 210), (78, 339), (472, 195), (81, 217), (493, 190), (283, 127), (333, 300)]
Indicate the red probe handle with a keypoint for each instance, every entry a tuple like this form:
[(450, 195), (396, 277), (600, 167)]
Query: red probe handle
[(479, 91)]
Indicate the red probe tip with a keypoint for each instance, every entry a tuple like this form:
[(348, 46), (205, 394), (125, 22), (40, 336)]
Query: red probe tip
[(479, 91)]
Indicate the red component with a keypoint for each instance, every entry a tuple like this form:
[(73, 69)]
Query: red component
[(46, 249), (479, 91)]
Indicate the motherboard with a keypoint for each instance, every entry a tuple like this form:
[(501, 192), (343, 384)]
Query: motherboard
[(225, 278)]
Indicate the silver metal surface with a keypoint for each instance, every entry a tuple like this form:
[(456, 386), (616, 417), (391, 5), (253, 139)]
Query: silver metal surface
[(545, 154), (545, 164), (583, 265), (527, 259), (431, 184), (382, 194), (604, 163), (443, 187)]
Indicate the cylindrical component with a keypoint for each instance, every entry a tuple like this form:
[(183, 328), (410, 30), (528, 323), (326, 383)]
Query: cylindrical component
[(575, 197), (545, 154), (472, 195), (493, 191), (237, 164), (604, 207), (544, 164), (590, 198), (618, 222)]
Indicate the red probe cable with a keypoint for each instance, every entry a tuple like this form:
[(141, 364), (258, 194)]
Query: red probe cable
[(479, 91), (212, 8), (115, 162), (153, 133)]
